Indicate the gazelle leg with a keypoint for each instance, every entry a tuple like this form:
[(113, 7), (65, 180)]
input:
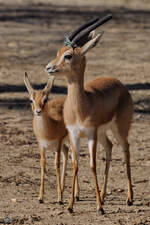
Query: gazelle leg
[(92, 151), (65, 150), (43, 168), (106, 143), (75, 148), (77, 189), (65, 160), (126, 151), (57, 165), (122, 139)]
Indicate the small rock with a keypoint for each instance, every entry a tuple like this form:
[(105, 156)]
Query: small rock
[(12, 45), (14, 200), (120, 190), (7, 220)]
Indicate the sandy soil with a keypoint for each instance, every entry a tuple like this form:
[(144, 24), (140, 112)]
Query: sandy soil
[(30, 34)]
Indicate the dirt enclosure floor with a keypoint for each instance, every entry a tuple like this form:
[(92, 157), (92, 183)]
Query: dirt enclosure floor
[(30, 34)]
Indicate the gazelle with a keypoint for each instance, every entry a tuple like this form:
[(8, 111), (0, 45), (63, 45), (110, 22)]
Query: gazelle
[(91, 109), (50, 131)]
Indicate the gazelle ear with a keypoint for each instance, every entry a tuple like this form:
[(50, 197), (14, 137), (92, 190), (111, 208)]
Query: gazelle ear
[(90, 44), (27, 83), (49, 84), (91, 35)]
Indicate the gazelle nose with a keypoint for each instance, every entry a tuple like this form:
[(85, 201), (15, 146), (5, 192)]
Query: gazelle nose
[(50, 68), (38, 111)]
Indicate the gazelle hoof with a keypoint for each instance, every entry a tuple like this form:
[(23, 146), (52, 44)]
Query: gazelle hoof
[(101, 211), (70, 210), (41, 201), (102, 202), (77, 198), (129, 203)]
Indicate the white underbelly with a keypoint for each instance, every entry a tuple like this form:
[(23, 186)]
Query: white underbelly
[(53, 144), (81, 131), (46, 144)]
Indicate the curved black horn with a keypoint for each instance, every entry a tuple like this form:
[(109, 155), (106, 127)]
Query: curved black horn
[(82, 27), (91, 28)]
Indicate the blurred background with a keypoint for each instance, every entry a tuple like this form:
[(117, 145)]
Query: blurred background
[(31, 31)]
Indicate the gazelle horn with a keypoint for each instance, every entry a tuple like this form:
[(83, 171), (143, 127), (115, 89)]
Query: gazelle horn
[(86, 32)]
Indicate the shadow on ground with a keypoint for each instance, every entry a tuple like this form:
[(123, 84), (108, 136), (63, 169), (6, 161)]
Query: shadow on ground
[(141, 106)]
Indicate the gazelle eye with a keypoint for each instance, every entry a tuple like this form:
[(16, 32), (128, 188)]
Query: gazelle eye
[(68, 57), (31, 101)]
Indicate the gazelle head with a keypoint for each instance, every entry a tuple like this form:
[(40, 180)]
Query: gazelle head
[(38, 98), (70, 59)]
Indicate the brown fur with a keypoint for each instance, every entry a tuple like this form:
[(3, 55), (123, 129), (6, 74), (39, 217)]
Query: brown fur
[(93, 106), (49, 127), (108, 95), (54, 127)]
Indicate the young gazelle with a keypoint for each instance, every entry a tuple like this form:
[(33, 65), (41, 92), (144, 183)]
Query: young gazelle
[(50, 131), (91, 109)]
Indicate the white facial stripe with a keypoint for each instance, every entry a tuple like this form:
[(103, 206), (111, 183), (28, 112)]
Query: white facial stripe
[(68, 52), (31, 98), (44, 98)]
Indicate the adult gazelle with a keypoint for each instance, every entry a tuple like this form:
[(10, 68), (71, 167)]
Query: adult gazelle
[(91, 109)]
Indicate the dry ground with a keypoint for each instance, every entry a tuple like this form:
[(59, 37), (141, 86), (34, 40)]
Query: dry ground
[(30, 34)]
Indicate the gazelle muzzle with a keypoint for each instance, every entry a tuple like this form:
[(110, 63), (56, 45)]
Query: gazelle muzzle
[(37, 112), (51, 69)]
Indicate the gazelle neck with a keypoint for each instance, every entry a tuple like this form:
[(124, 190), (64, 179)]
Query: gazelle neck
[(75, 85), (76, 98)]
